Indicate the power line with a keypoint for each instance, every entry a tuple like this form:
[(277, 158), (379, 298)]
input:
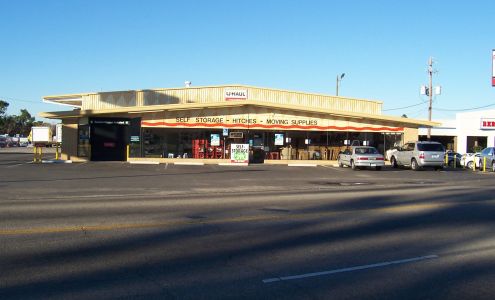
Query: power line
[(406, 106), (412, 114), (415, 113), (465, 109), (20, 100)]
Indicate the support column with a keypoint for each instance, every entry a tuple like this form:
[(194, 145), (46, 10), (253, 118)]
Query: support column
[(461, 145)]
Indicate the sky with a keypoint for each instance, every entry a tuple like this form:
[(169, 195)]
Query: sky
[(62, 47)]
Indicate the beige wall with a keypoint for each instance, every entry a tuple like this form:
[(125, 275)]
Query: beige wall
[(69, 140), (108, 100), (410, 135)]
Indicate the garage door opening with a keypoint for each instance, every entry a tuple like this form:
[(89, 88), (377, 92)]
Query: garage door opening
[(109, 139)]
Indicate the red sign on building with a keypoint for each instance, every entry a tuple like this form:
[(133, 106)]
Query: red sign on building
[(487, 123), (493, 67)]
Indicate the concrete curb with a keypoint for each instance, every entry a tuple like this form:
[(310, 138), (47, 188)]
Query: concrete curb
[(302, 165), (55, 161), (234, 164), (144, 162), (189, 163)]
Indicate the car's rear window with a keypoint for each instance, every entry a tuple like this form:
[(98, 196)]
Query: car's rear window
[(430, 147), (366, 151)]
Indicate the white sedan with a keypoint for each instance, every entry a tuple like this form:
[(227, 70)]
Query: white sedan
[(361, 156), (468, 159)]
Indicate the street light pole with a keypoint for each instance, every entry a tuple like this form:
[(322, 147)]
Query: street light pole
[(339, 79)]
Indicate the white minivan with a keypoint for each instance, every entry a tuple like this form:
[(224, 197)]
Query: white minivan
[(418, 155)]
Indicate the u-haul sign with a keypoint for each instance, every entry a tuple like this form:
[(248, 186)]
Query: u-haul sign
[(235, 94)]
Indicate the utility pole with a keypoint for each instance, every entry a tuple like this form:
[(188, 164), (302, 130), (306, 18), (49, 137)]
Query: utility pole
[(430, 93)]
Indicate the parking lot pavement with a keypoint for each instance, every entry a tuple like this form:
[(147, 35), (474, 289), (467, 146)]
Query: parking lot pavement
[(95, 175), (15, 156), (116, 230), (29, 150)]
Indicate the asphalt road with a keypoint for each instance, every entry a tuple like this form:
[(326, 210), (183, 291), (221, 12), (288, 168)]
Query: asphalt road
[(115, 230)]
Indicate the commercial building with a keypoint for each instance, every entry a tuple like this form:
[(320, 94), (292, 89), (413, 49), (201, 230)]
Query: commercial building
[(468, 132), (202, 123)]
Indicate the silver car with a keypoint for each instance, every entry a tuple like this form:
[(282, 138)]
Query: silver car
[(361, 156), (418, 155), (487, 158)]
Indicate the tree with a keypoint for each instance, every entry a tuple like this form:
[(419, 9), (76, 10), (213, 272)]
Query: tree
[(3, 108), (8, 125), (15, 124), (24, 122)]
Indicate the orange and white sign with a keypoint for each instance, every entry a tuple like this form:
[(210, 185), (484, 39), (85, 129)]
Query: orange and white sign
[(235, 94), (263, 119)]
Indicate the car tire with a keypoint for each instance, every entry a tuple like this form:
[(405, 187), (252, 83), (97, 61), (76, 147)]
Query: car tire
[(414, 165), (378, 168), (393, 162), (470, 165), (353, 166)]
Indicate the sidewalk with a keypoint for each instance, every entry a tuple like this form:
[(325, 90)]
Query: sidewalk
[(192, 161)]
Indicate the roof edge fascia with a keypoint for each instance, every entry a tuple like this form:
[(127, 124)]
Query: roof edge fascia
[(194, 106)]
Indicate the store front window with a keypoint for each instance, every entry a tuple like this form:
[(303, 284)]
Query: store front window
[(275, 145), (83, 145), (182, 143)]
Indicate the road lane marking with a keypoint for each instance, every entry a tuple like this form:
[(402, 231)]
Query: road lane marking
[(121, 226), (46, 230), (255, 218), (334, 167), (16, 165), (351, 269)]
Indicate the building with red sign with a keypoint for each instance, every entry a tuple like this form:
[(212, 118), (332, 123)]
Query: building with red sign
[(468, 132)]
